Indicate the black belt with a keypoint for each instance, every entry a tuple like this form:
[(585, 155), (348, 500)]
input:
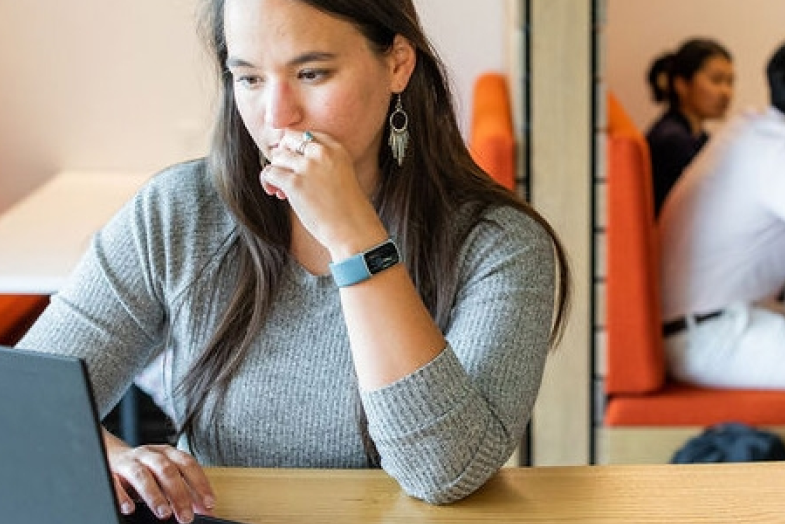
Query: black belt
[(674, 326)]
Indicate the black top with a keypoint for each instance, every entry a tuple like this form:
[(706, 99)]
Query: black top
[(672, 147)]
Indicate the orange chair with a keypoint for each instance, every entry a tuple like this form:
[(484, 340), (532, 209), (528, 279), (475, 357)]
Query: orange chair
[(17, 314), (492, 141), (633, 295), (647, 415)]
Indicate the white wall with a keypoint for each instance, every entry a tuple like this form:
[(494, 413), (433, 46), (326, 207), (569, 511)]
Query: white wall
[(91, 84), (639, 30), (470, 36), (124, 86)]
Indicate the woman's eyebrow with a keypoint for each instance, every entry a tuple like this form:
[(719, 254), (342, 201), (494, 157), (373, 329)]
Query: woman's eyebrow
[(237, 62), (311, 56)]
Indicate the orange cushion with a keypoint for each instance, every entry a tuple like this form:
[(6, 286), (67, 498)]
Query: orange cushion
[(685, 405), (492, 142), (17, 314), (635, 355), (619, 121)]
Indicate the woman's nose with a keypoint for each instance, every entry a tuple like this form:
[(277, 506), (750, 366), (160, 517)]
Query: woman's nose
[(282, 109)]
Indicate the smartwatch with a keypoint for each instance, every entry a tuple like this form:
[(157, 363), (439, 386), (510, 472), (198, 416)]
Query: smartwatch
[(363, 266)]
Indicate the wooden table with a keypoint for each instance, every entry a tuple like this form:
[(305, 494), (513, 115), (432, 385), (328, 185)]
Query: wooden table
[(714, 493)]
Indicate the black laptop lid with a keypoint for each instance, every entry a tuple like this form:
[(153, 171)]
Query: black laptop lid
[(52, 459), (52, 466)]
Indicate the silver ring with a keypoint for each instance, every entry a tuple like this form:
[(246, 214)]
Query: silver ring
[(307, 139)]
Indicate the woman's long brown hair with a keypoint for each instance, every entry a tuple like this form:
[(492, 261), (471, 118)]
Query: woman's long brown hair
[(437, 179)]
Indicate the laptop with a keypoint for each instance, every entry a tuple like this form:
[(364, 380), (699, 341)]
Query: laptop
[(52, 460)]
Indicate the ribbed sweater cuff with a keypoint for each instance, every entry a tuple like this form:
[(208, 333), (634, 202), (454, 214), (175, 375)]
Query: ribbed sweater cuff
[(417, 400)]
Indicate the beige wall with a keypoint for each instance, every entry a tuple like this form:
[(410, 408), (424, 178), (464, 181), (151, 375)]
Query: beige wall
[(638, 30), (123, 85), (90, 84)]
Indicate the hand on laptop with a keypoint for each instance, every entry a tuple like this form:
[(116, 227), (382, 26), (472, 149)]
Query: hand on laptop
[(168, 480)]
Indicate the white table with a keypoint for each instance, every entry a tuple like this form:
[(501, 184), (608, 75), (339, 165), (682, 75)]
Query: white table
[(43, 236)]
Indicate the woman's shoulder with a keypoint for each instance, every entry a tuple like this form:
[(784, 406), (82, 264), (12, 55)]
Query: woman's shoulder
[(670, 127), (508, 227), (185, 187), (509, 246), (180, 200), (182, 178), (510, 218)]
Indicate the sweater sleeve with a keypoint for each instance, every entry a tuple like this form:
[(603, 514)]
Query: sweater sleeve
[(445, 429), (112, 312)]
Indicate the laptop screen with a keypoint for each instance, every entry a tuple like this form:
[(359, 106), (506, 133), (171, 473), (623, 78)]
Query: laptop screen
[(53, 466)]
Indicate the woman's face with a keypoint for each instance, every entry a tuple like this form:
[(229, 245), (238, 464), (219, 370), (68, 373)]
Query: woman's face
[(708, 94), (297, 68)]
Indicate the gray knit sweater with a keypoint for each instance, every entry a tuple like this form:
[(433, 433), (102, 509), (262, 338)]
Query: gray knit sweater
[(142, 287)]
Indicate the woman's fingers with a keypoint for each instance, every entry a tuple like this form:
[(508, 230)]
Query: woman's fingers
[(270, 188), (125, 501), (199, 487), (307, 167), (137, 473), (171, 486), (169, 481), (302, 144)]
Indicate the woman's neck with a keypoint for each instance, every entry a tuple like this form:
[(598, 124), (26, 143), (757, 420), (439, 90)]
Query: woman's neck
[(695, 121)]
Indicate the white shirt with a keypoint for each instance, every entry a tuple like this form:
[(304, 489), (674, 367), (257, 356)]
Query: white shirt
[(722, 228)]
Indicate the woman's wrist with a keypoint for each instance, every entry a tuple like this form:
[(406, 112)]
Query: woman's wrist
[(358, 242), (362, 266), (113, 443)]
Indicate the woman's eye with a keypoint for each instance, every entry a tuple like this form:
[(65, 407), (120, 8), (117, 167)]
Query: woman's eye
[(312, 75), (247, 81)]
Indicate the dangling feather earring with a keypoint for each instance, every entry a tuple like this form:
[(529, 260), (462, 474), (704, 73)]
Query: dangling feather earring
[(399, 134)]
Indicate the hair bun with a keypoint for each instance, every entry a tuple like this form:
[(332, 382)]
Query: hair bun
[(658, 77)]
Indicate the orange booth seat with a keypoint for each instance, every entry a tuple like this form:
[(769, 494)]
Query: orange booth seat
[(647, 415), (492, 141), (17, 314)]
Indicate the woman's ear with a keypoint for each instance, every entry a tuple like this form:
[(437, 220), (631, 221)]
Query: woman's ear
[(402, 59), (681, 86)]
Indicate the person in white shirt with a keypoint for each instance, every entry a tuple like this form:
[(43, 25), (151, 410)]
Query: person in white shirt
[(722, 233)]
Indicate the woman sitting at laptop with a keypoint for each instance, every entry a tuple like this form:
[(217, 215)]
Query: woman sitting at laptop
[(338, 285)]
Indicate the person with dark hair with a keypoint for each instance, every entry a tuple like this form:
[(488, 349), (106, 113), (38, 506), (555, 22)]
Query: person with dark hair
[(722, 233), (337, 285), (775, 74), (696, 83)]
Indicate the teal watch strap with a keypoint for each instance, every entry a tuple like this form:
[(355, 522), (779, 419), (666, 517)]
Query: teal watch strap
[(363, 266)]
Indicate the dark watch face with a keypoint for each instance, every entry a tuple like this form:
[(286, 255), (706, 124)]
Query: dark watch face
[(381, 258)]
